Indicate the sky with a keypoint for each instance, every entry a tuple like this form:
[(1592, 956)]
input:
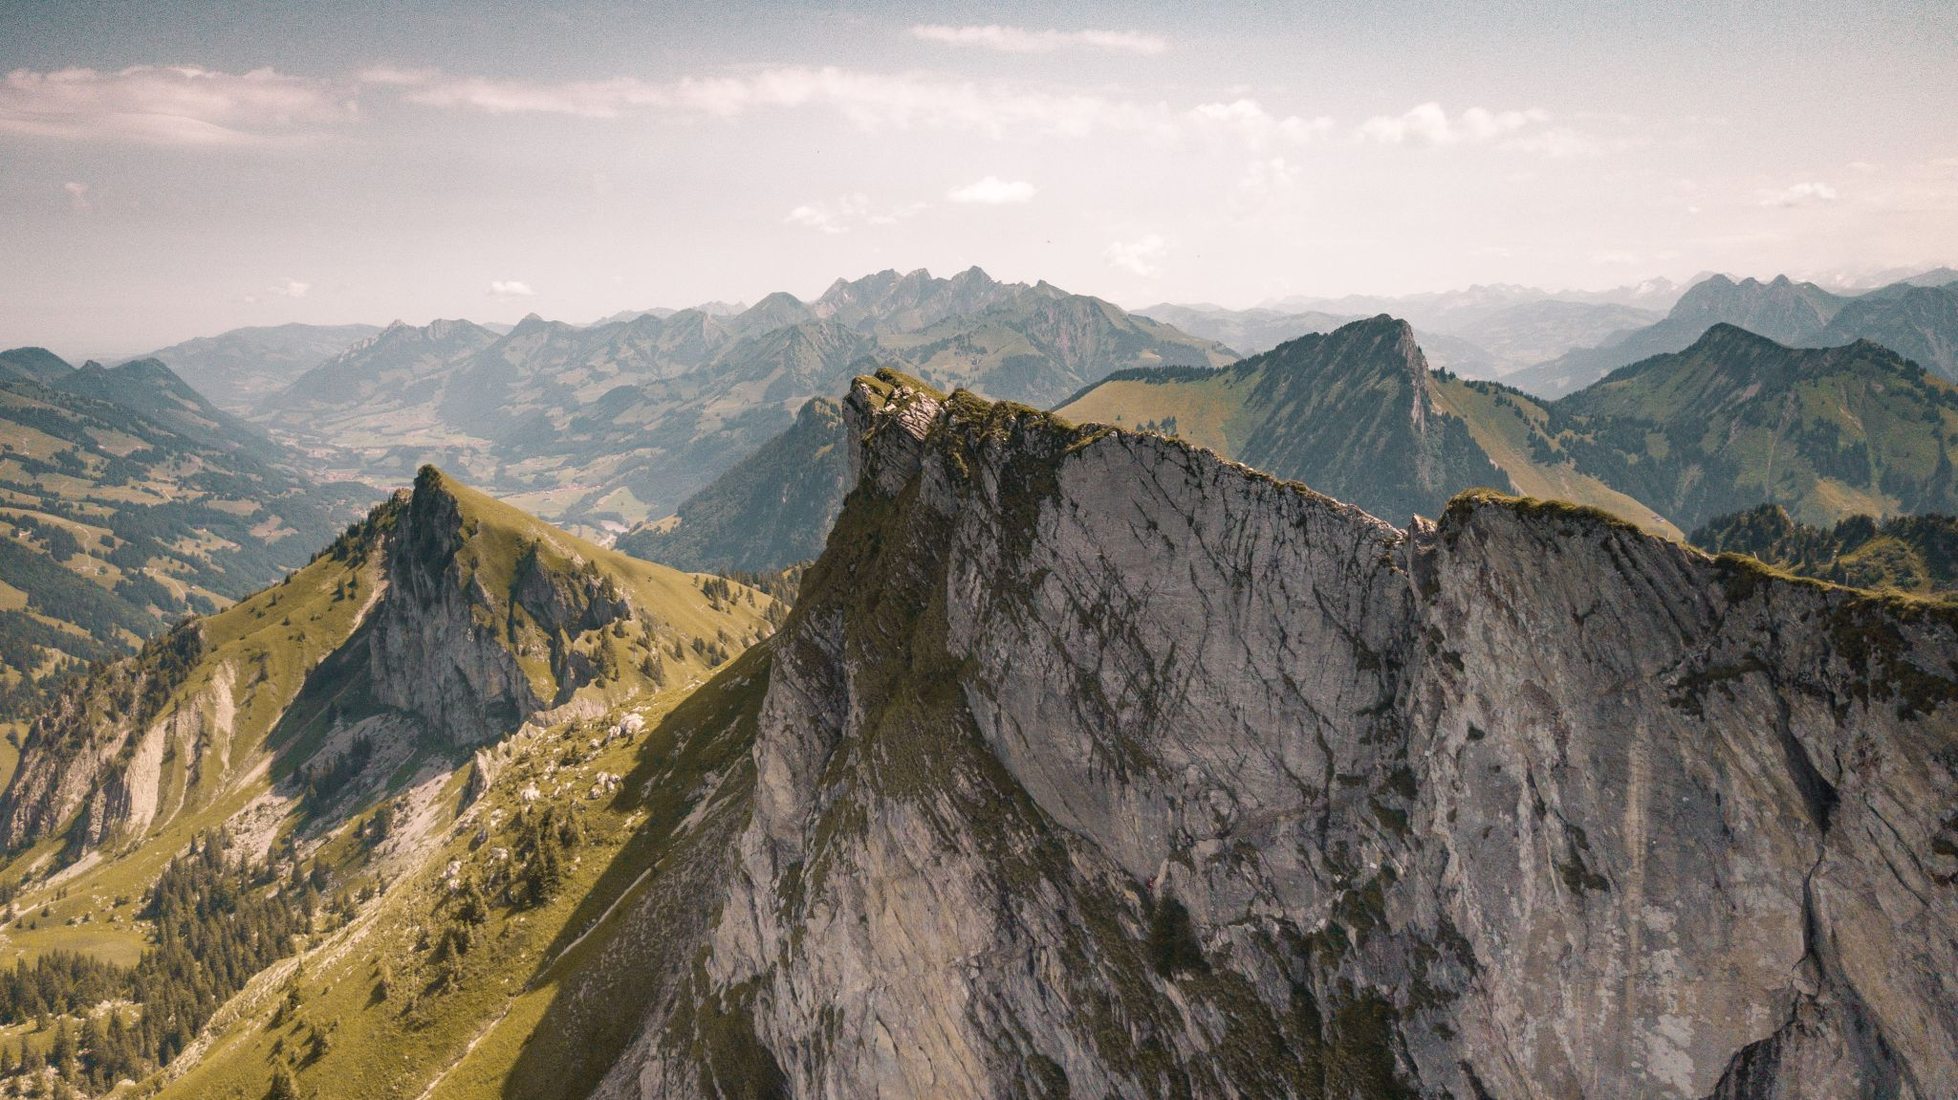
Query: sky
[(173, 169)]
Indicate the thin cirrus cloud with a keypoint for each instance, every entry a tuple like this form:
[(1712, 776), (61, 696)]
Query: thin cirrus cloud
[(993, 191), (171, 105), (191, 106), (869, 100), (1021, 40)]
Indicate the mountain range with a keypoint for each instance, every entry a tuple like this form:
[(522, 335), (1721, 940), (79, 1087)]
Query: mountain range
[(1668, 444), (128, 500), (1086, 763), (1921, 322), (601, 426), (239, 368)]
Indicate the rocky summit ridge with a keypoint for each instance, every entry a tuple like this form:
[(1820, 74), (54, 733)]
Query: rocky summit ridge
[(1092, 764)]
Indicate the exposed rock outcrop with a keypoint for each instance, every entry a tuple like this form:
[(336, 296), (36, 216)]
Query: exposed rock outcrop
[(475, 619), (1093, 765)]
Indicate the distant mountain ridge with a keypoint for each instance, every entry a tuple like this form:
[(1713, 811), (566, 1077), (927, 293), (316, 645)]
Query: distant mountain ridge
[(1488, 339), (1919, 321), (1675, 439), (771, 510), (606, 425), (1356, 414), (238, 368), (128, 500)]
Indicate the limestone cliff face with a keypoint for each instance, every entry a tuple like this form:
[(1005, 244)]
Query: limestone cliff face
[(473, 644), (435, 649), (1093, 765)]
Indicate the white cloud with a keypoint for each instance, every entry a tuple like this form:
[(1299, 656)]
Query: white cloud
[(849, 212), (510, 288), (1021, 40), (290, 288), (816, 217), (1139, 256), (1257, 127), (78, 199), (171, 105), (1428, 124), (993, 191), (1800, 194), (1558, 142), (1265, 178)]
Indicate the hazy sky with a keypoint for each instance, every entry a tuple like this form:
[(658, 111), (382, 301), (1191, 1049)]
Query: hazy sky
[(175, 169)]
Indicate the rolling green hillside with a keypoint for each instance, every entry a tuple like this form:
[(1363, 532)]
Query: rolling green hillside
[(1737, 420), (127, 501)]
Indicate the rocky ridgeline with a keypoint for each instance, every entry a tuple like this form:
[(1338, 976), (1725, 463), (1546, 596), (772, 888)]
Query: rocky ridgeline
[(1091, 764), (452, 643), (465, 629)]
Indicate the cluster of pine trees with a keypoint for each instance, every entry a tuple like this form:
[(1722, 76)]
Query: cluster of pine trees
[(218, 922)]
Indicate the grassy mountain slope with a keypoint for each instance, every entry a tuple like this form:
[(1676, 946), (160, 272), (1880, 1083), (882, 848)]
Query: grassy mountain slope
[(1915, 555), (313, 723), (1731, 422), (1356, 415), (1737, 420), (116, 521), (32, 365), (151, 389)]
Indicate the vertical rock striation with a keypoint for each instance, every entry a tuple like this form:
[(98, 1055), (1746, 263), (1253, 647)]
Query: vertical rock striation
[(1091, 764)]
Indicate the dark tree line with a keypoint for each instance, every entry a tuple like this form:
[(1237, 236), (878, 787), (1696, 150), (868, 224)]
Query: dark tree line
[(217, 923)]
